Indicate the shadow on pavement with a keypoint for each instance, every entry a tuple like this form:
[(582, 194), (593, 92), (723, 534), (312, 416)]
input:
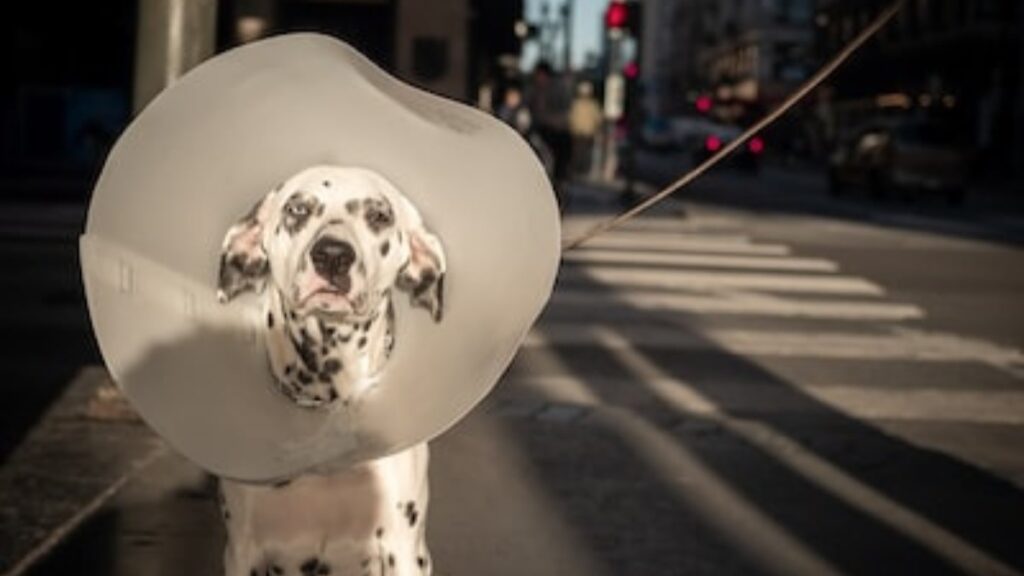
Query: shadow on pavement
[(165, 522), (823, 490)]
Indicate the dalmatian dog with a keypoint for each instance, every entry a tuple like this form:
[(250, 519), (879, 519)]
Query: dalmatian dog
[(328, 250)]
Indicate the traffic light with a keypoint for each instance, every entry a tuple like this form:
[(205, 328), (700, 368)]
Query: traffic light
[(623, 15), (616, 15)]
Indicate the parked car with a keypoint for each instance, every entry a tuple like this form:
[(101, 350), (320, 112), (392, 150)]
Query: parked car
[(900, 155), (700, 137), (717, 136)]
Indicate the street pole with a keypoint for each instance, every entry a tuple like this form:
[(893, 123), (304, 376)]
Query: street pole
[(614, 97), (567, 23), (173, 36)]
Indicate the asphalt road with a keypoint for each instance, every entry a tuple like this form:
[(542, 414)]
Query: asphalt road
[(757, 380)]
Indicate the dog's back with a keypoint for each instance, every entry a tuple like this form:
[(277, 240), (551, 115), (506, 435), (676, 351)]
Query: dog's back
[(364, 520)]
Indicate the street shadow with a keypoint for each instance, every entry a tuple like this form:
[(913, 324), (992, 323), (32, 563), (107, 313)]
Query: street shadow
[(882, 506), (178, 533)]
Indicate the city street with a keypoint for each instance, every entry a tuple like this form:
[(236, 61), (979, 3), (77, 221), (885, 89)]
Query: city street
[(752, 378)]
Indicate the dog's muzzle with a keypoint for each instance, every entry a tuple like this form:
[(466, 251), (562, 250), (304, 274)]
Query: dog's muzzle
[(332, 259)]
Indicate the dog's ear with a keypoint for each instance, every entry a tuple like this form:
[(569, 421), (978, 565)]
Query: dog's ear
[(422, 276), (243, 258)]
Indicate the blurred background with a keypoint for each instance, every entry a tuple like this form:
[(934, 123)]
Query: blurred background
[(943, 80), (808, 362)]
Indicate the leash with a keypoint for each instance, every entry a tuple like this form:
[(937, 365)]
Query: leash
[(810, 84)]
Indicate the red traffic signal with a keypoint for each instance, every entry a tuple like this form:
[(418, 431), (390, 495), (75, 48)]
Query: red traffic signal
[(617, 15)]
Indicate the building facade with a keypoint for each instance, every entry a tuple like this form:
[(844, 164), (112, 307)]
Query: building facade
[(954, 61), (753, 52), (73, 83)]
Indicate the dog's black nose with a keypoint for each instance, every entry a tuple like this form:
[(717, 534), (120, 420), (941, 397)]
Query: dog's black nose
[(332, 257)]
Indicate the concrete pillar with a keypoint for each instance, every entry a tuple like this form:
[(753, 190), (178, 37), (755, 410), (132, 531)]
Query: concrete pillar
[(172, 37), (431, 45)]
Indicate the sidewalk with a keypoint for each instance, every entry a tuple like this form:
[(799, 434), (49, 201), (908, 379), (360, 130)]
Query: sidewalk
[(81, 452)]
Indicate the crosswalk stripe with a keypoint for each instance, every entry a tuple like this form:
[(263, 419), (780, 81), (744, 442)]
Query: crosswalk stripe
[(734, 304), (659, 236), (587, 256), (902, 345), (705, 223), (675, 243), (714, 280)]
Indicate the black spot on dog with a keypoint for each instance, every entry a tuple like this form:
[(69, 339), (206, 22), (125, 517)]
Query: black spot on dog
[(378, 214), (391, 560), (332, 394), (332, 366), (238, 272), (324, 377), (270, 319), (276, 570), (314, 567), (380, 532), (411, 514), (352, 206), (426, 281), (305, 348), (305, 377), (421, 561), (385, 248), (367, 325), (362, 342), (288, 369), (327, 183), (281, 483)]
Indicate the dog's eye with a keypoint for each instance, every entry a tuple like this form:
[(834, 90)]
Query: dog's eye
[(296, 209), (379, 217)]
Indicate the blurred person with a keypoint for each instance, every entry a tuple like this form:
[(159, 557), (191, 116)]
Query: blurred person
[(584, 125), (513, 111), (548, 102)]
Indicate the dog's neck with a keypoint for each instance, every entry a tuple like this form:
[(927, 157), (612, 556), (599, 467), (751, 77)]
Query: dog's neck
[(318, 360)]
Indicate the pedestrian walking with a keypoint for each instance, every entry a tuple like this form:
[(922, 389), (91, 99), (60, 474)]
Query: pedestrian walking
[(584, 125)]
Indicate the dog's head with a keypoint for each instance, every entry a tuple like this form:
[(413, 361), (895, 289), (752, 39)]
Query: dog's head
[(334, 242)]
